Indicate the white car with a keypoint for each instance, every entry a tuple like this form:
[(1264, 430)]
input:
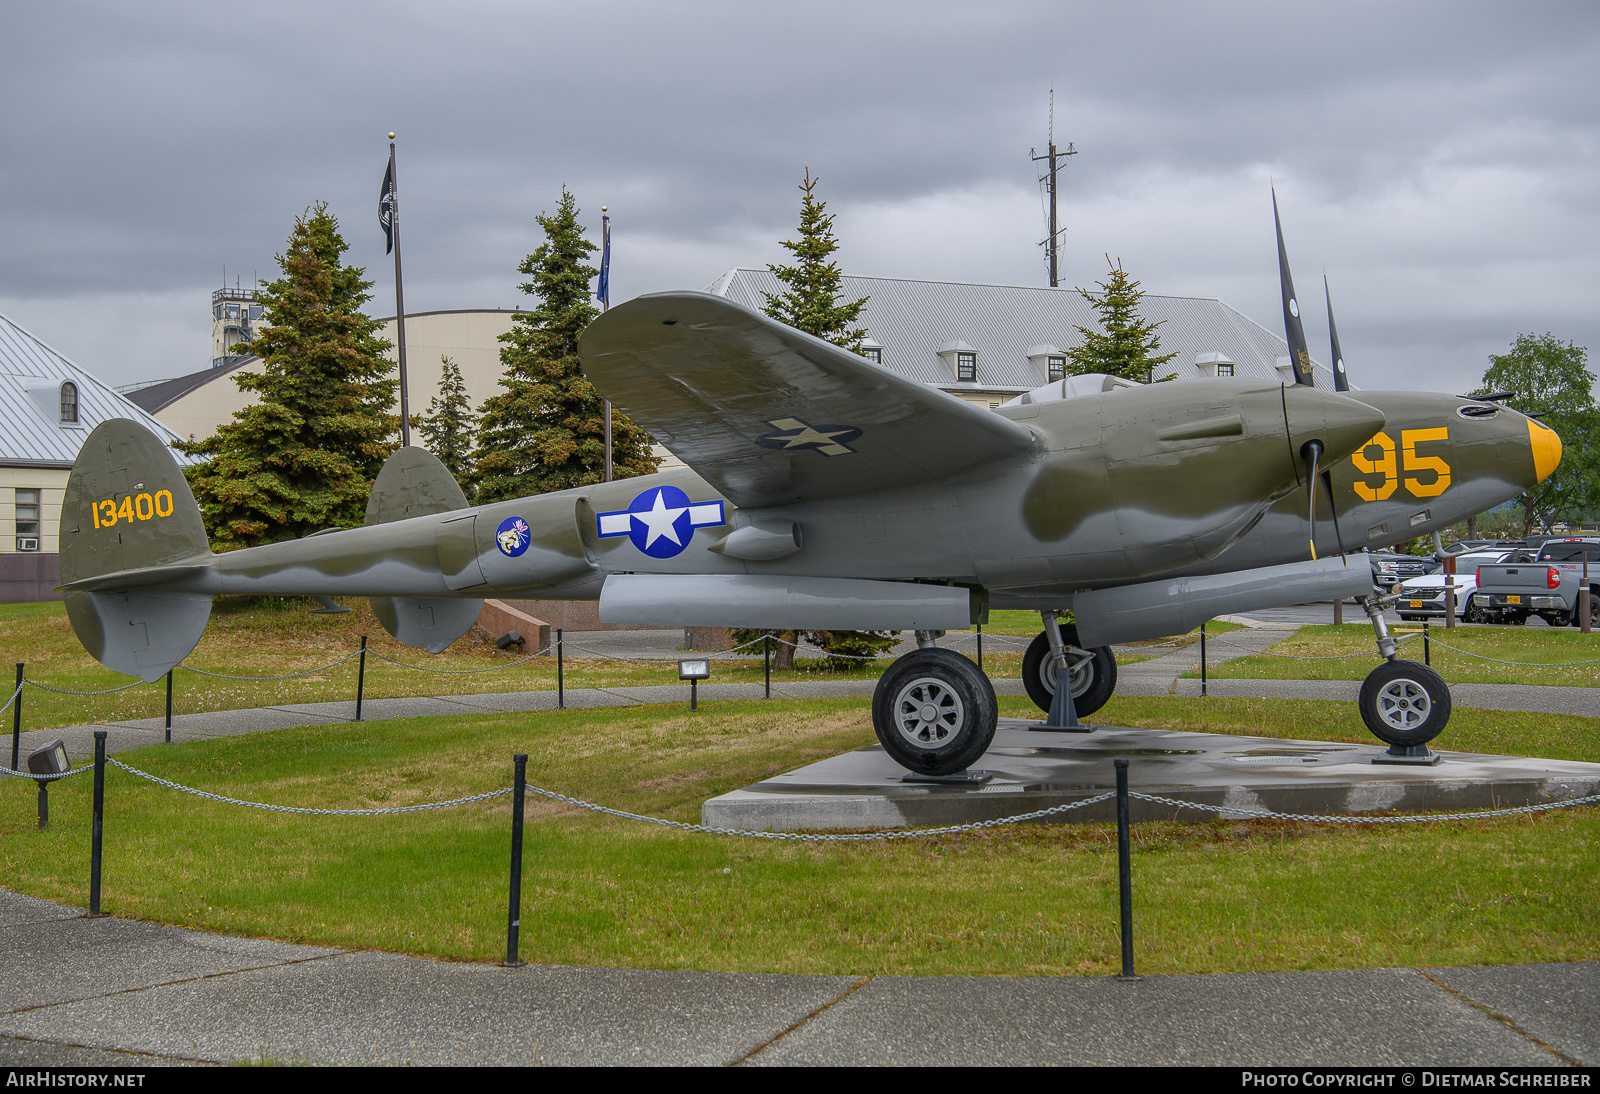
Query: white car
[(1422, 597)]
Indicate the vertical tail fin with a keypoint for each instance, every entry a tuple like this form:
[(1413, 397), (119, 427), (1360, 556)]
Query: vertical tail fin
[(129, 509)]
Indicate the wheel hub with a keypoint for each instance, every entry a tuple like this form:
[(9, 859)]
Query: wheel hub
[(928, 713), (1403, 704)]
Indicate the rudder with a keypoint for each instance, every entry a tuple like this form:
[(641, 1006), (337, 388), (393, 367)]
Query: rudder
[(128, 510)]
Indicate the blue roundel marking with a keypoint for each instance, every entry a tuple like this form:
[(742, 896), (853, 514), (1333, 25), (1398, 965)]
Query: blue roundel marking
[(512, 536), (661, 521)]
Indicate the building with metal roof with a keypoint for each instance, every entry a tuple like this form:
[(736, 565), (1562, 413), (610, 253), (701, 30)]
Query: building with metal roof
[(988, 343), (48, 406)]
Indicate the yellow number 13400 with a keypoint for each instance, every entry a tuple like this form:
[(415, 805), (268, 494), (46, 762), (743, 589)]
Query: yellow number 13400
[(133, 507), (1382, 462)]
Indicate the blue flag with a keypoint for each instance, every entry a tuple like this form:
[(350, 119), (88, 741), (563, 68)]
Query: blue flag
[(602, 291)]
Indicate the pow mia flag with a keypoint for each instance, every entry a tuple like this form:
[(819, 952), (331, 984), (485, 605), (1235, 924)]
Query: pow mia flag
[(386, 208)]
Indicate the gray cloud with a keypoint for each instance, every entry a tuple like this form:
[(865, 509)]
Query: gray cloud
[(1439, 159)]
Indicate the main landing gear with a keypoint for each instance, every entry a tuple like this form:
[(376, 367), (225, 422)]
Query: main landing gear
[(1403, 703), (934, 711)]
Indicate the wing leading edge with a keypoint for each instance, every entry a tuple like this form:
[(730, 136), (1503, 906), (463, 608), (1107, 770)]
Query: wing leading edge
[(769, 415)]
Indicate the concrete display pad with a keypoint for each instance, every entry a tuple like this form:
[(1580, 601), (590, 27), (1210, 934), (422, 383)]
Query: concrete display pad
[(1036, 770)]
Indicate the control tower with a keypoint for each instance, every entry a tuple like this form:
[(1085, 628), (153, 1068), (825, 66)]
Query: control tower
[(235, 318)]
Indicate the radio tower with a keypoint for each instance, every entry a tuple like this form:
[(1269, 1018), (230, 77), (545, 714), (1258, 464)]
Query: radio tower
[(1049, 179)]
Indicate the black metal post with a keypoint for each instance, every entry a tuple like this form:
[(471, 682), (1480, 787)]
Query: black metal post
[(980, 647), (514, 914), (169, 705), (1125, 870), (99, 820), (766, 661), (1202, 660), (1583, 595), (561, 673), (361, 676), (1427, 652), (694, 696), (16, 721), (44, 803)]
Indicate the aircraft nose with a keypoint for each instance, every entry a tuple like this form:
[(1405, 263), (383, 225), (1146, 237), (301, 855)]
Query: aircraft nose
[(1341, 423), (1546, 445)]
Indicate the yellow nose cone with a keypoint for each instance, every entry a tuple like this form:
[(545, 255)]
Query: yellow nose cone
[(1546, 444)]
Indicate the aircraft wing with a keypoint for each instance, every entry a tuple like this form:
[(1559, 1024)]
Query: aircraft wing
[(769, 415)]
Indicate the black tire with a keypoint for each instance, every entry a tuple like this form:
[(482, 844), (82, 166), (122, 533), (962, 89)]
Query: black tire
[(1594, 612), (1093, 680), (1405, 703), (1475, 614), (934, 712)]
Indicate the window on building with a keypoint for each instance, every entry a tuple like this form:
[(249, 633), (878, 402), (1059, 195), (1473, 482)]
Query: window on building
[(873, 354), (255, 311), (966, 366), (1224, 368), (1057, 367), (69, 402), (28, 517)]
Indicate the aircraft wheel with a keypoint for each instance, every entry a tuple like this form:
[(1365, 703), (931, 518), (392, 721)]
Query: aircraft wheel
[(1094, 673), (934, 712), (1404, 703)]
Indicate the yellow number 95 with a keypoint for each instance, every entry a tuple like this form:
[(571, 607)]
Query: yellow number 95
[(1382, 462)]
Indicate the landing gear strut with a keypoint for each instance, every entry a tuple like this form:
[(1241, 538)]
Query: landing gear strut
[(933, 711), (1403, 703), (1093, 673)]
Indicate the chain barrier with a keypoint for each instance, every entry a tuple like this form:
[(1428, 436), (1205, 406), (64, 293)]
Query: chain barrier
[(13, 698), (309, 812), (1402, 640), (1230, 812), (462, 672), (1344, 818), (47, 778), (67, 691), (268, 679), (1523, 664)]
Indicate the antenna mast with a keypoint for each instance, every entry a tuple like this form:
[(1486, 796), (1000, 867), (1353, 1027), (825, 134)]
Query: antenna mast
[(1051, 244)]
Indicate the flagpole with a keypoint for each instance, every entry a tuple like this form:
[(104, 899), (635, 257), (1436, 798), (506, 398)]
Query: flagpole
[(605, 303), (399, 299)]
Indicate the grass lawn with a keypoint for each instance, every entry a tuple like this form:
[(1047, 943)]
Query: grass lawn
[(1547, 647), (1222, 896)]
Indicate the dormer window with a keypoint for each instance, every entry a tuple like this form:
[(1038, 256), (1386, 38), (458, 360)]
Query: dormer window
[(962, 360), (1224, 368), (1050, 361), (966, 367), (872, 351), (69, 403)]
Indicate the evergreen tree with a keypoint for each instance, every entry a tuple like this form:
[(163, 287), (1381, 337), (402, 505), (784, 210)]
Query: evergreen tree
[(546, 430), (812, 304), (1554, 381), (1125, 345), (447, 427), (302, 457), (812, 301)]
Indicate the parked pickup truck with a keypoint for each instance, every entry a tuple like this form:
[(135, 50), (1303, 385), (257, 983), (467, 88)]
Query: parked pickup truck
[(1547, 587)]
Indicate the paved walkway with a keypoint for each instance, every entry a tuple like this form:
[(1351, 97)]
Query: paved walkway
[(119, 993)]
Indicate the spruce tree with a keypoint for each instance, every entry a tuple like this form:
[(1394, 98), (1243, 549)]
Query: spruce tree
[(546, 430), (1125, 345), (812, 301), (302, 457), (812, 304), (447, 427)]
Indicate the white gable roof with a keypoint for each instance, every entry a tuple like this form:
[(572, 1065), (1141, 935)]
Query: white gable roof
[(31, 375)]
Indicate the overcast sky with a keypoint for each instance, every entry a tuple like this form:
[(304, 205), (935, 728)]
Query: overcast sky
[(1440, 161)]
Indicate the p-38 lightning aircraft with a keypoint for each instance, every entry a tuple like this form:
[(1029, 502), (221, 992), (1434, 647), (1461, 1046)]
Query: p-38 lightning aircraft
[(824, 491)]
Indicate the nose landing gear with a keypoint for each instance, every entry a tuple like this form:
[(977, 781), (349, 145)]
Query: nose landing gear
[(1403, 703)]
